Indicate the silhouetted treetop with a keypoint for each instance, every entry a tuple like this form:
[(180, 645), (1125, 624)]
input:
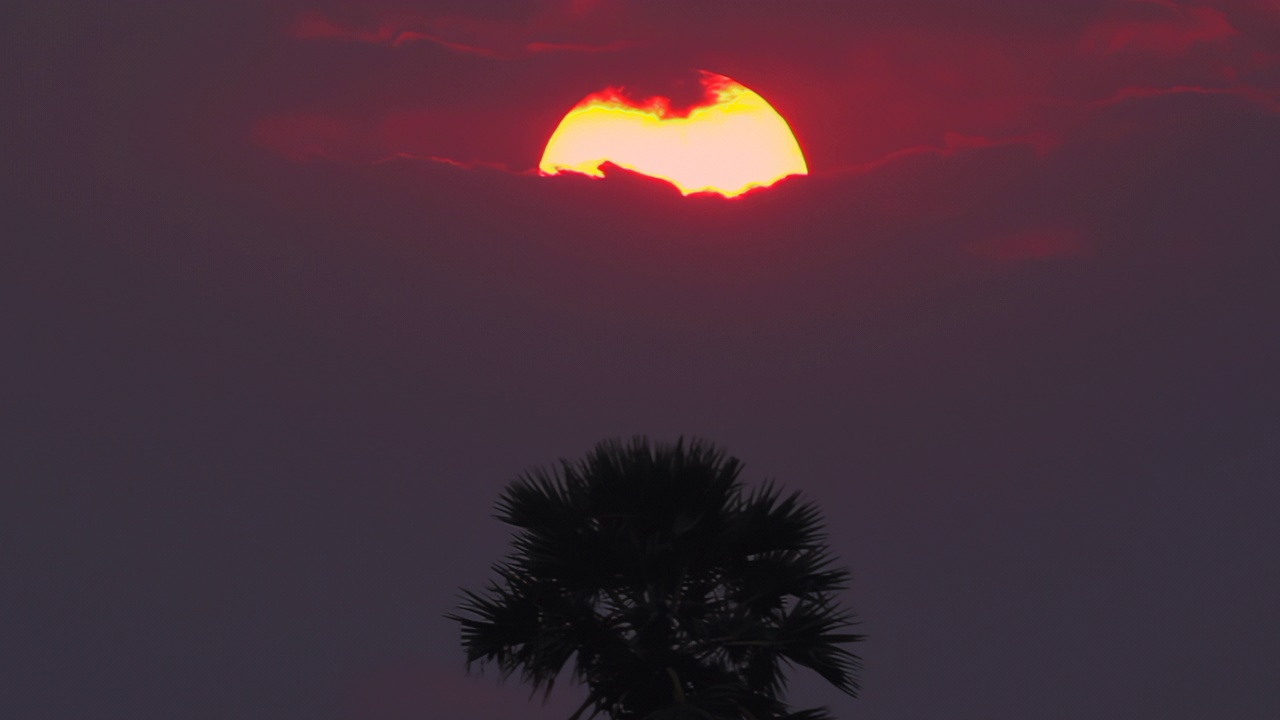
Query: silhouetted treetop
[(676, 591)]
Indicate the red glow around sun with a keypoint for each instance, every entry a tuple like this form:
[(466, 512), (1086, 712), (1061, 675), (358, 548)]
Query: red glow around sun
[(731, 143)]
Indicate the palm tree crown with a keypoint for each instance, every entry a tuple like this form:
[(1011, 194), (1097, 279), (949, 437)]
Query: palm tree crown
[(677, 592)]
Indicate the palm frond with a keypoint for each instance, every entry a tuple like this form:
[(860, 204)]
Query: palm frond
[(673, 591), (811, 635)]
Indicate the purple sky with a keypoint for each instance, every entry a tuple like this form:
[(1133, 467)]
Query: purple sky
[(284, 308)]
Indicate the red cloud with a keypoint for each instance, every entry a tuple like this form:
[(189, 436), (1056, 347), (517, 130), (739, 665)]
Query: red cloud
[(1178, 28), (1266, 99), (461, 34), (543, 47), (420, 135), (857, 102), (953, 143), (316, 26)]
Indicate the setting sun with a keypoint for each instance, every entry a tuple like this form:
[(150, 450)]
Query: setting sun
[(732, 142)]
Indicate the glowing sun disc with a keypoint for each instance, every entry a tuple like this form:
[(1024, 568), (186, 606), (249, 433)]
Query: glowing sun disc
[(732, 142)]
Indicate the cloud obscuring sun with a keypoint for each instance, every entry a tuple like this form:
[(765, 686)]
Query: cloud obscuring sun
[(731, 143)]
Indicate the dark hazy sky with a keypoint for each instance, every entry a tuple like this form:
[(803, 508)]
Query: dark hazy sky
[(283, 309)]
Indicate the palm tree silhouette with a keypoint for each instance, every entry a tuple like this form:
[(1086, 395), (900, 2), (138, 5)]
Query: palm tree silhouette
[(677, 592)]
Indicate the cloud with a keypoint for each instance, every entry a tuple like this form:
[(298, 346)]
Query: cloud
[(1164, 43), (952, 144), (860, 96), (1175, 28), (1267, 99), (318, 26), (472, 35), (544, 47)]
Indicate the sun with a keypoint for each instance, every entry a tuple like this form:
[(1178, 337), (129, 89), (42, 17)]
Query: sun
[(730, 143)]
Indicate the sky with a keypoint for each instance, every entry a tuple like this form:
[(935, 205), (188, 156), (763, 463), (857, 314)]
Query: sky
[(285, 306)]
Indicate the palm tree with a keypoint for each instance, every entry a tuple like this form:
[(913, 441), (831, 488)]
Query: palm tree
[(677, 592)]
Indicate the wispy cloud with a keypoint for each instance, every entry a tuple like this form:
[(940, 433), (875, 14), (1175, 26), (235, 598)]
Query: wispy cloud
[(469, 35), (1177, 28)]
